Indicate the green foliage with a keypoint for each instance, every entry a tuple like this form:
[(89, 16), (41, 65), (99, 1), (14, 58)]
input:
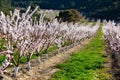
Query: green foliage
[(71, 15), (2, 58), (52, 48), (87, 64), (5, 5), (108, 9), (24, 59), (47, 19), (66, 43)]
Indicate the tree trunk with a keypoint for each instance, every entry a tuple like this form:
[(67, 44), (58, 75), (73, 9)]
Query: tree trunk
[(39, 60), (46, 55), (29, 65), (15, 71)]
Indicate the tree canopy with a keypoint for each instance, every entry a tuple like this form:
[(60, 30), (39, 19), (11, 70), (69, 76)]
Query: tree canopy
[(70, 15)]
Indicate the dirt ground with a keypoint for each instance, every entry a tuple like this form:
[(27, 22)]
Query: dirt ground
[(45, 69)]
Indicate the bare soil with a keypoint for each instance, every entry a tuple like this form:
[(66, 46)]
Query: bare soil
[(45, 69)]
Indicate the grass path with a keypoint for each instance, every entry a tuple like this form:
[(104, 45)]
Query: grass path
[(87, 64)]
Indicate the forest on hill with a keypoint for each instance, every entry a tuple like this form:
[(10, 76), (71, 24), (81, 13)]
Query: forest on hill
[(103, 9)]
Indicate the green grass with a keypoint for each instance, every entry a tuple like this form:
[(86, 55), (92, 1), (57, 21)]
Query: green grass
[(87, 64), (2, 58), (52, 48), (24, 59)]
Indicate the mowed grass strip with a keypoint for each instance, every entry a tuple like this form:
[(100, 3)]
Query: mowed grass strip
[(87, 64)]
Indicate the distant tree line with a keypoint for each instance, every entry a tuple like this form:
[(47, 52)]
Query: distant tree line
[(5, 5), (108, 9), (70, 15)]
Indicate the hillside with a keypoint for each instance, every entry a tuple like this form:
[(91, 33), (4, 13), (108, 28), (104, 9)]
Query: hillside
[(108, 9)]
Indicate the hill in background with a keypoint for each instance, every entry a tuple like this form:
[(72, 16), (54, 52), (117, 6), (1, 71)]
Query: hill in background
[(103, 9)]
